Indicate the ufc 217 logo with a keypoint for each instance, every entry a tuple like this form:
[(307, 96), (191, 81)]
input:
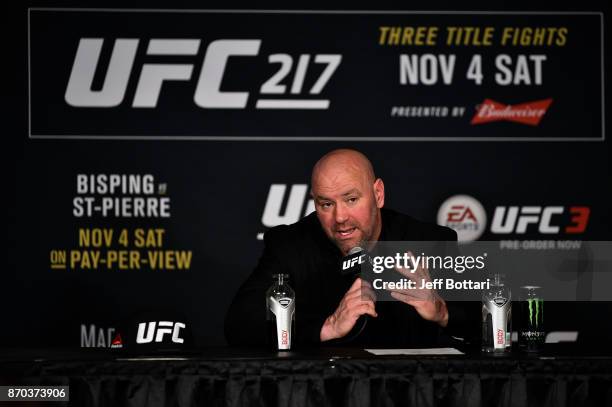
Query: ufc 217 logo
[(155, 331), (288, 84)]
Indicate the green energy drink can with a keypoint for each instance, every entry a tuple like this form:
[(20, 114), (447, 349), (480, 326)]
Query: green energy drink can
[(531, 329)]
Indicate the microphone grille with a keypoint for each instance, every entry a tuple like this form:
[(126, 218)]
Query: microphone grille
[(355, 249)]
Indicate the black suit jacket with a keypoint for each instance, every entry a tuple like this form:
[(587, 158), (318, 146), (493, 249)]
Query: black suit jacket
[(313, 263)]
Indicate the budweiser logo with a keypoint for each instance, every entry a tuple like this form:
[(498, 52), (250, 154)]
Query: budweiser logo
[(526, 113)]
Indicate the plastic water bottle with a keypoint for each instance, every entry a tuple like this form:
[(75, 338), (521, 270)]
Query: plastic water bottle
[(280, 304), (496, 316)]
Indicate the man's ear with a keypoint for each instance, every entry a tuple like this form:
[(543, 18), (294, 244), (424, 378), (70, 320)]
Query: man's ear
[(379, 192)]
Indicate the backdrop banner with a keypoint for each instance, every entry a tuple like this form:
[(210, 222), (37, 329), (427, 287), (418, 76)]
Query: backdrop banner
[(160, 144)]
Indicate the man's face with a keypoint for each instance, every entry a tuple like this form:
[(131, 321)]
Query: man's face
[(347, 206)]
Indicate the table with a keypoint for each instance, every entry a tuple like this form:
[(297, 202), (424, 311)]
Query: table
[(314, 377)]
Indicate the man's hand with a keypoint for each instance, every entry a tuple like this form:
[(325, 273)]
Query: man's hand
[(427, 303), (357, 301)]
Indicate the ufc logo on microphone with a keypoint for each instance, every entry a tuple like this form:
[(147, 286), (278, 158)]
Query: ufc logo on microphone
[(155, 331), (347, 264)]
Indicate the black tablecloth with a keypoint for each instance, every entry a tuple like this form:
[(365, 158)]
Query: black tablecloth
[(328, 377)]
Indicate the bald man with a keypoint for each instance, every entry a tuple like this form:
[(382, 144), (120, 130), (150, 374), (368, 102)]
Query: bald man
[(349, 202), (347, 198)]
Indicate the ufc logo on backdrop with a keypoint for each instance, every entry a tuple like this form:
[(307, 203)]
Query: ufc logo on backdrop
[(515, 219), (155, 331), (208, 92), (297, 205)]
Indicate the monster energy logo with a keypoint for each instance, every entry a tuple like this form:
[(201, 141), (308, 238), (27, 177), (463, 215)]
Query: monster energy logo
[(538, 304)]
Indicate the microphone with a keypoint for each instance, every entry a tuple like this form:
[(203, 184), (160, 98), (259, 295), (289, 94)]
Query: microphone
[(352, 265)]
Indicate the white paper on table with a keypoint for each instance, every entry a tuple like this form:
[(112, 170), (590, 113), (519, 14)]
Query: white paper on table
[(426, 351)]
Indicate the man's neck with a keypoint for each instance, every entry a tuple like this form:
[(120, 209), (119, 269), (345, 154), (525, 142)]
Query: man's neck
[(377, 231)]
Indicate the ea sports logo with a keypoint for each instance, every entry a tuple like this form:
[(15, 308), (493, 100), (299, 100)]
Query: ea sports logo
[(465, 215)]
